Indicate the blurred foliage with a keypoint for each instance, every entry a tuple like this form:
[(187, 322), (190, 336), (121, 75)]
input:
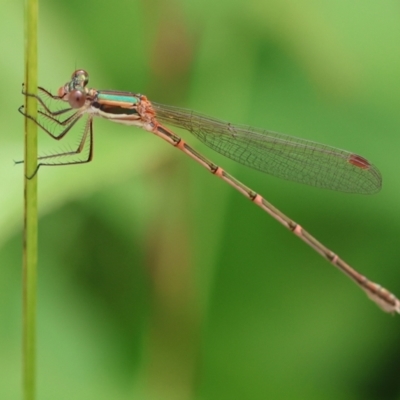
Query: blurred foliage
[(158, 281)]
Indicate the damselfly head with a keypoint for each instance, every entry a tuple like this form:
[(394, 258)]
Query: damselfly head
[(74, 91)]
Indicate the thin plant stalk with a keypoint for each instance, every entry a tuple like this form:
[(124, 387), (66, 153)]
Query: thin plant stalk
[(30, 206)]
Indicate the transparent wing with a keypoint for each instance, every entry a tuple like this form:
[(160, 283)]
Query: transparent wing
[(278, 154)]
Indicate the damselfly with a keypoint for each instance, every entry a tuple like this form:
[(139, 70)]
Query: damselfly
[(274, 153)]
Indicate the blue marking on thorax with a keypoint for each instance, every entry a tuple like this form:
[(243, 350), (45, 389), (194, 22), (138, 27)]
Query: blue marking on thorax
[(123, 97)]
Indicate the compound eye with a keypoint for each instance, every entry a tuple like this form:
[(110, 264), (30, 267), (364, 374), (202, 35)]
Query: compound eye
[(61, 92), (81, 75), (76, 98)]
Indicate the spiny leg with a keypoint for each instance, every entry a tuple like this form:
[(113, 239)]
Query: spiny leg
[(52, 116), (68, 122), (74, 118), (41, 101), (88, 132)]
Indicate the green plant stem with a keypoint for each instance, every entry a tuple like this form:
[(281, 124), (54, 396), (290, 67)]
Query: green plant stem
[(30, 206)]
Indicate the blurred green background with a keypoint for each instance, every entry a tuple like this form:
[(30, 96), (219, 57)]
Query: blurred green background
[(159, 281)]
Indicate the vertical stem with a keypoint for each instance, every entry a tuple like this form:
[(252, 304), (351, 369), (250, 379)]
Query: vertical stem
[(30, 206)]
